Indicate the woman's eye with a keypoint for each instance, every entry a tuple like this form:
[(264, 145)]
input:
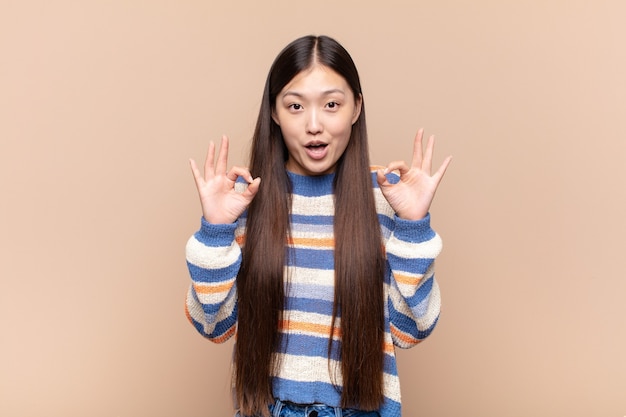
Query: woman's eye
[(332, 105), (295, 106)]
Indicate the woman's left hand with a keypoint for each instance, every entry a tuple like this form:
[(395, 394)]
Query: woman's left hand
[(412, 196)]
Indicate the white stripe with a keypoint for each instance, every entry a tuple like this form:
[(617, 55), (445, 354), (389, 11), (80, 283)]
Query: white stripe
[(322, 277), (407, 250), (197, 313), (307, 369), (210, 257), (312, 231), (213, 297), (309, 319), (313, 206)]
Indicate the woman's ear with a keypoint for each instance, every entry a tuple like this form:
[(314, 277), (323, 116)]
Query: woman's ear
[(275, 117), (358, 104)]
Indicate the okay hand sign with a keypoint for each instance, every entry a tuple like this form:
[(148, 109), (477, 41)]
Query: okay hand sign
[(412, 196), (221, 204)]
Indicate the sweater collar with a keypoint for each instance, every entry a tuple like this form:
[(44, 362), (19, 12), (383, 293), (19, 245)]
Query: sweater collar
[(312, 184)]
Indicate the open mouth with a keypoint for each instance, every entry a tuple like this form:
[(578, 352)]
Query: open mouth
[(316, 146), (316, 150)]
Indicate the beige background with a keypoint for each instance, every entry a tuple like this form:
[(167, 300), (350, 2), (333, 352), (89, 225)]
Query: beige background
[(103, 102)]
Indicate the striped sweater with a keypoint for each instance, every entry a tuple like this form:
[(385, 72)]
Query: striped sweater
[(412, 300)]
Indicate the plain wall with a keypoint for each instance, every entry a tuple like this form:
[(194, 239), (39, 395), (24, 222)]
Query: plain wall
[(103, 102)]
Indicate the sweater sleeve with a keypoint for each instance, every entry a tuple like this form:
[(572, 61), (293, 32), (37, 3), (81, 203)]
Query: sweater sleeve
[(414, 299), (213, 259)]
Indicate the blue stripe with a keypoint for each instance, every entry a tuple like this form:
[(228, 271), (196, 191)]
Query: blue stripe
[(323, 225), (312, 258), (215, 235), (387, 224), (305, 392), (301, 219), (210, 312), (421, 295), (390, 408), (319, 392), (313, 291), (421, 308), (407, 325), (199, 327), (413, 231), (305, 219), (311, 186), (214, 276), (310, 305), (307, 345), (222, 327), (392, 177), (416, 265)]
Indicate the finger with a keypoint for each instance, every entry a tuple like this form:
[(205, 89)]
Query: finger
[(209, 170), (428, 156), (381, 178), (442, 169), (236, 172), (252, 188), (222, 157), (417, 149), (196, 172), (399, 166)]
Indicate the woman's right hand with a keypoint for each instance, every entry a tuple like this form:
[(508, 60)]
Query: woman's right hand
[(221, 204)]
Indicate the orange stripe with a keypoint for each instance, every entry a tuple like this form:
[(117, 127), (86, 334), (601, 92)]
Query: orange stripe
[(321, 329), (406, 279), (212, 289), (241, 240), (220, 339), (403, 336), (187, 313), (308, 327), (319, 243)]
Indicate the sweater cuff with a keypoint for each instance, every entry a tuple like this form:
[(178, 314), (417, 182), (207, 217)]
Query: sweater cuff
[(216, 234), (414, 231)]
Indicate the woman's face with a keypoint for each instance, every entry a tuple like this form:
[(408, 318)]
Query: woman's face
[(315, 112)]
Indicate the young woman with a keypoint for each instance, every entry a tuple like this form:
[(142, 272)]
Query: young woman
[(318, 264)]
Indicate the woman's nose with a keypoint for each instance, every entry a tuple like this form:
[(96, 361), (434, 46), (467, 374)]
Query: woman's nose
[(313, 123)]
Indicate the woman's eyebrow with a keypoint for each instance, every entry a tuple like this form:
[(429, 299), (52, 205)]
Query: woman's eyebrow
[(324, 92), (292, 93), (333, 91)]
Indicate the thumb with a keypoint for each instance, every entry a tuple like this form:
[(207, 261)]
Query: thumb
[(252, 188), (381, 178)]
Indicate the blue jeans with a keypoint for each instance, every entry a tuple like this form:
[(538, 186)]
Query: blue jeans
[(285, 409)]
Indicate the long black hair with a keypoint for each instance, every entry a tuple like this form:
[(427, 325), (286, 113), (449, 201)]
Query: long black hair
[(359, 257)]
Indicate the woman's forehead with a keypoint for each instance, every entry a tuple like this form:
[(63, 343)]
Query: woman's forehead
[(316, 80)]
